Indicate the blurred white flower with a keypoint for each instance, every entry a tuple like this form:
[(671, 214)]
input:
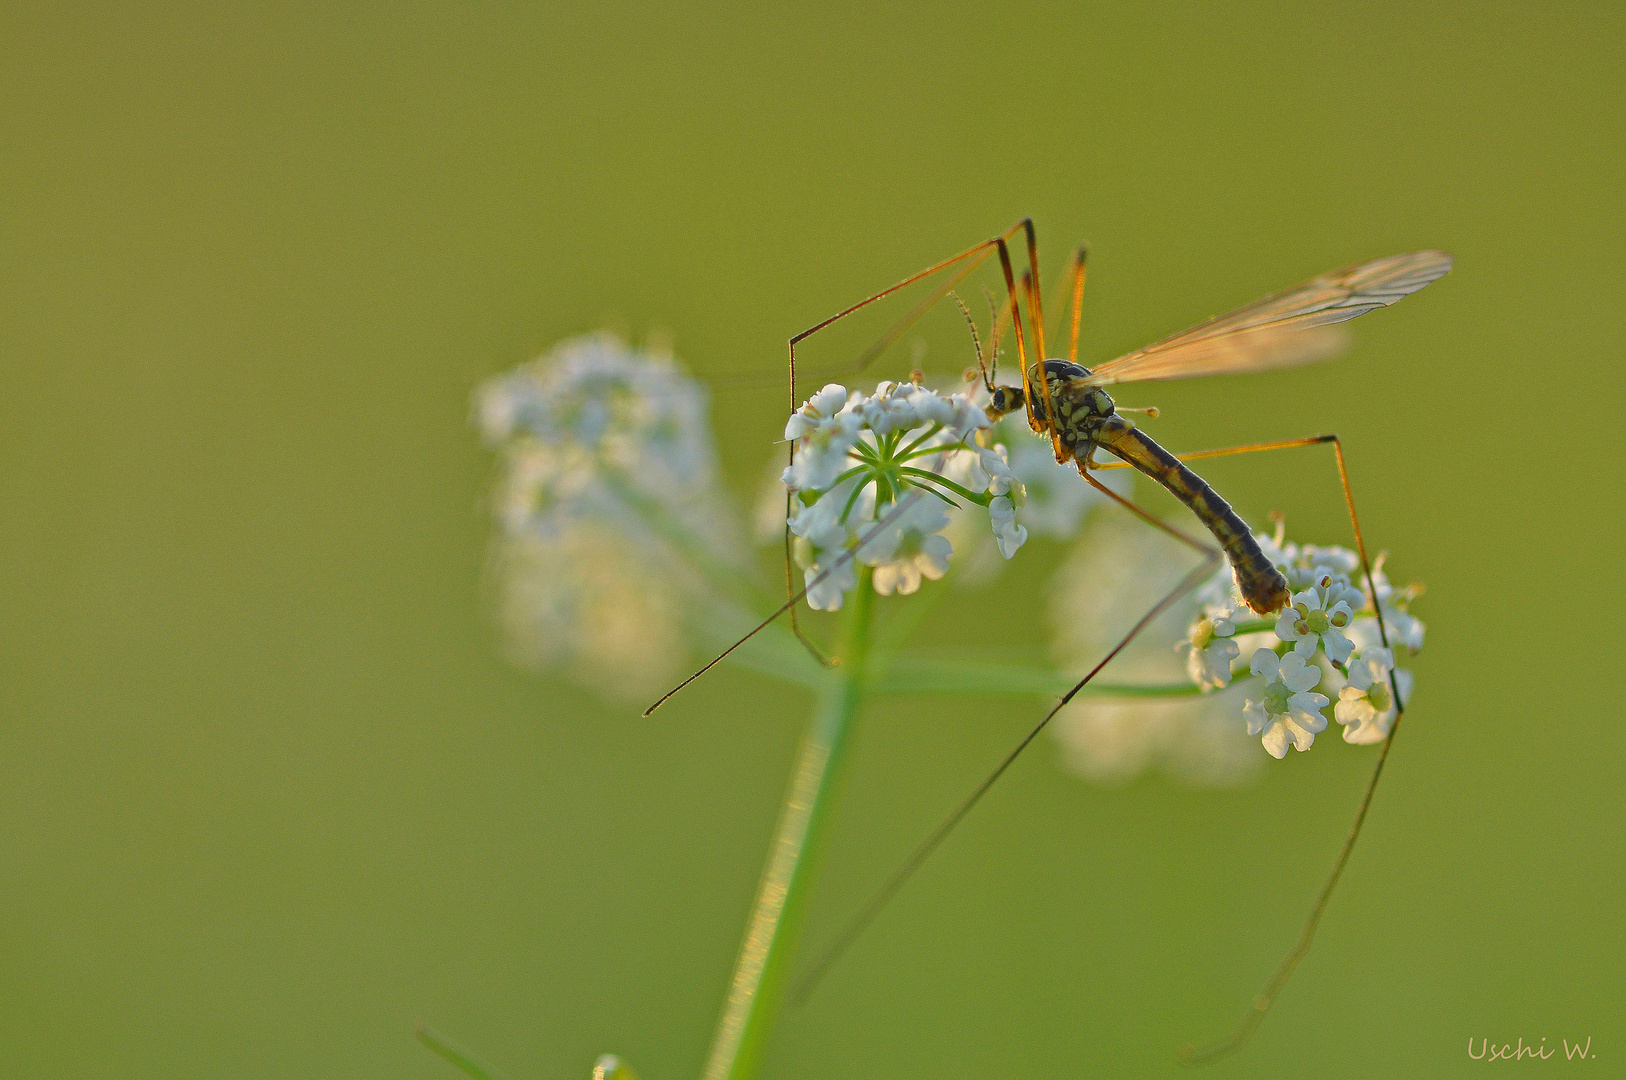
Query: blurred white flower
[(1404, 628), (1287, 713), (587, 601), (606, 496), (593, 427), (1196, 739), (1366, 703), (1119, 568)]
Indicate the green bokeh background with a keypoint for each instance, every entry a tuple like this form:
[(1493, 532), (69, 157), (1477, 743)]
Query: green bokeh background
[(268, 791)]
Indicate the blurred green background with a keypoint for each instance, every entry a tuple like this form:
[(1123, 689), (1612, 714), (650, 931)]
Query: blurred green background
[(269, 792)]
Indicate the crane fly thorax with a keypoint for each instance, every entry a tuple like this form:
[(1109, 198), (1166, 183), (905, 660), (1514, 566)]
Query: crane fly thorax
[(1082, 412)]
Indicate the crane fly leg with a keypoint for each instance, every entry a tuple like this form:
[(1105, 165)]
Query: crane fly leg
[(899, 877), (1192, 1055)]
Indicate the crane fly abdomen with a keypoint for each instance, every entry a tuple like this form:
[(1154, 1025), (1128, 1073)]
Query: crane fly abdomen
[(1263, 586), (1085, 417)]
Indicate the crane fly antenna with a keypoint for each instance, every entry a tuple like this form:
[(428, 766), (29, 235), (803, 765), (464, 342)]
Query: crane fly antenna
[(999, 317), (976, 341), (866, 914)]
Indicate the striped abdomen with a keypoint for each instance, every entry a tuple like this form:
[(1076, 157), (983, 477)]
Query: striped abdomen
[(1262, 585)]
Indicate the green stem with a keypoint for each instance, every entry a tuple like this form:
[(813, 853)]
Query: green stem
[(915, 674), (982, 499), (770, 937)]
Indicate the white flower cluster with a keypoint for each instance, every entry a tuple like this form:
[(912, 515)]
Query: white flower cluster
[(875, 478), (1326, 638), (607, 486), (592, 426)]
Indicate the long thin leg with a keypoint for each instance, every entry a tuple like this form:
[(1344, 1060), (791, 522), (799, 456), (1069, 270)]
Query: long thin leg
[(1192, 1055), (1022, 358), (1079, 258), (1248, 448), (790, 587), (972, 257), (841, 560), (977, 253), (1261, 1004), (1038, 308), (856, 926), (1184, 538)]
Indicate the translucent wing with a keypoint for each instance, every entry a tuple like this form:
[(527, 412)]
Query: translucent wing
[(1292, 327)]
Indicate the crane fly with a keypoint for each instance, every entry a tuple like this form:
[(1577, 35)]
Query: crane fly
[(1068, 403)]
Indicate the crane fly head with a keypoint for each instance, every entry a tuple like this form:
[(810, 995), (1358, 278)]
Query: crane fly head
[(1003, 400)]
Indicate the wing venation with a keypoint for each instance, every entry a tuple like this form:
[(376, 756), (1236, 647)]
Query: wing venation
[(1282, 330)]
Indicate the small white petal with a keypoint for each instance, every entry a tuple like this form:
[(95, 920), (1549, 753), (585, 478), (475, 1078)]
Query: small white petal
[(1265, 663), (1305, 710), (1297, 675), (1302, 739), (1337, 645), (1353, 710), (1256, 716)]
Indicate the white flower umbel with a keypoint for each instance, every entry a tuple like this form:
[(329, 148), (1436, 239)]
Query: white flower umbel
[(1330, 620), (874, 477), (1287, 712), (1366, 705)]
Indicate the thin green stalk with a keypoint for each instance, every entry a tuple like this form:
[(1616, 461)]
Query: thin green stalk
[(770, 937), (925, 674), (456, 1054)]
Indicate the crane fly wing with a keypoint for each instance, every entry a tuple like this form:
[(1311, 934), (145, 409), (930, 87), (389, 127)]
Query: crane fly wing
[(1291, 327), (1258, 349)]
